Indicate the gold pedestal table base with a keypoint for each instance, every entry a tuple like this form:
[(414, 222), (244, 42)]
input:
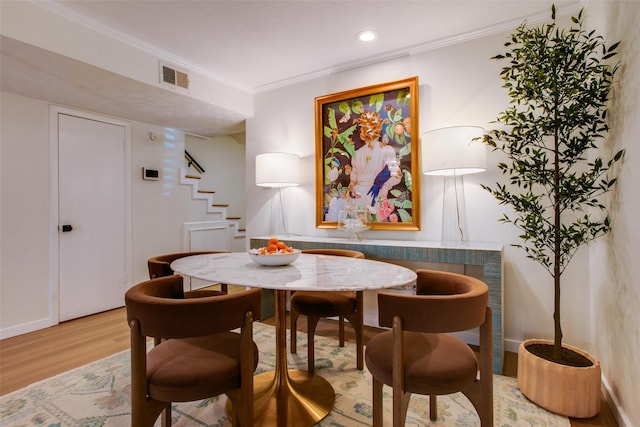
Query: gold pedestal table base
[(299, 401), (286, 397)]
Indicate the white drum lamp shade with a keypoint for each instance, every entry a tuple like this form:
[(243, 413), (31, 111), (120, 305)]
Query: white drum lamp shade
[(452, 151), (277, 170)]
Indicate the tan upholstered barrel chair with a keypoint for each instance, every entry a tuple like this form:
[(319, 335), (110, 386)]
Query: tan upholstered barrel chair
[(201, 354), (420, 356), (160, 266), (319, 304)]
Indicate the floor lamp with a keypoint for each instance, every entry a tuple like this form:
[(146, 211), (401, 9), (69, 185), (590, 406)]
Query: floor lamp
[(276, 171), (452, 152)]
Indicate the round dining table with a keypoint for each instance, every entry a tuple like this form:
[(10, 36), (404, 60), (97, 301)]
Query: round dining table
[(287, 397)]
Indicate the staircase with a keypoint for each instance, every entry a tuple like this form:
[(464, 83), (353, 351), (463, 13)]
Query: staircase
[(218, 211)]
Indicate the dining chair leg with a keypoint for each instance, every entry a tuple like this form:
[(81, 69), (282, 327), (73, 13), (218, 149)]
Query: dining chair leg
[(235, 415), (341, 331), (166, 417), (433, 407), (400, 407), (312, 322), (293, 331), (377, 403), (360, 348), (356, 320)]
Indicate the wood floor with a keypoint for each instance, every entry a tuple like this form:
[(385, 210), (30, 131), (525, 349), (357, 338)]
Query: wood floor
[(32, 357)]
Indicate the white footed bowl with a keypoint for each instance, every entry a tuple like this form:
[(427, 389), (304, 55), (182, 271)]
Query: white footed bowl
[(276, 259)]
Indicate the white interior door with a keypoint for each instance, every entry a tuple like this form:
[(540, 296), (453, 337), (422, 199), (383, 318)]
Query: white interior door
[(92, 218)]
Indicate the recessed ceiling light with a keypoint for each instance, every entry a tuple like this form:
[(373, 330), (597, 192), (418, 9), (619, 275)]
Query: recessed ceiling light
[(367, 35)]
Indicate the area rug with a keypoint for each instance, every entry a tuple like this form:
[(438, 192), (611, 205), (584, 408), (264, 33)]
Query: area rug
[(97, 395)]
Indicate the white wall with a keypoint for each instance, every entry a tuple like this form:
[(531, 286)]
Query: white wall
[(224, 168), (40, 25), (460, 85), (613, 261), (159, 208), (24, 212)]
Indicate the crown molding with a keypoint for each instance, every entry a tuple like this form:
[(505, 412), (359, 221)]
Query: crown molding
[(158, 52), (565, 10), (55, 7)]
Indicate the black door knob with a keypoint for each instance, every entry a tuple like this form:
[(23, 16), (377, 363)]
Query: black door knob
[(66, 228)]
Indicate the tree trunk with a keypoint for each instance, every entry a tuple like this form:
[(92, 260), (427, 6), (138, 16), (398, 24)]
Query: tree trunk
[(557, 337)]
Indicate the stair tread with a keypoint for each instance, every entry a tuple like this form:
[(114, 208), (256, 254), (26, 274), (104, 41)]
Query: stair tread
[(215, 205)]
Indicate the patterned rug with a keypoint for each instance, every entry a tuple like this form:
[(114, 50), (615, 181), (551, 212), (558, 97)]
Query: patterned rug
[(97, 395)]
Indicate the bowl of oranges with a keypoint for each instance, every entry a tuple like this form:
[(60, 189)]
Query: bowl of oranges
[(276, 253)]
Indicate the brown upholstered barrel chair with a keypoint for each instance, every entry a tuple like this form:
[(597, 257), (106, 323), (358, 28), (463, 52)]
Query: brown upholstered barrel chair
[(318, 304), (160, 266), (420, 356), (201, 355)]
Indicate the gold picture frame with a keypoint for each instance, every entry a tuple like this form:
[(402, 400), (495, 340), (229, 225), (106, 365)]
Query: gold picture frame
[(367, 155)]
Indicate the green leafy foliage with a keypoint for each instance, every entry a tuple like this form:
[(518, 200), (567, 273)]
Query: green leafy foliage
[(559, 82)]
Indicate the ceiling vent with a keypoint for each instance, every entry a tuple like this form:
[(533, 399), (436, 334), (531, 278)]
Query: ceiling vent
[(171, 76)]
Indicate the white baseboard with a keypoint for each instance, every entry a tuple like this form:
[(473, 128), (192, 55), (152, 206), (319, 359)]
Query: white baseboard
[(24, 328), (511, 346), (472, 337), (614, 404)]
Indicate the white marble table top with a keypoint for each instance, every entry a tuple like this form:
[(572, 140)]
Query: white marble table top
[(309, 272)]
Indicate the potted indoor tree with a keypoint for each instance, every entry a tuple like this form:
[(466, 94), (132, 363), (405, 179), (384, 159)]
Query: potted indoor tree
[(559, 81)]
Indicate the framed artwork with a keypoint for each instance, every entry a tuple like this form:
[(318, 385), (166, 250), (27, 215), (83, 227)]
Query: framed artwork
[(365, 156)]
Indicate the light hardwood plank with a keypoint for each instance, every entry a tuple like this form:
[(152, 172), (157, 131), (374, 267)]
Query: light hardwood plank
[(35, 356)]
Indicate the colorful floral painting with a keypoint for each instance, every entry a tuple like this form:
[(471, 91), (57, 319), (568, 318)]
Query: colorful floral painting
[(365, 156)]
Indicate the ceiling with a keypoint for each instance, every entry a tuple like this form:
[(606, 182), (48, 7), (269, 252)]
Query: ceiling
[(250, 45)]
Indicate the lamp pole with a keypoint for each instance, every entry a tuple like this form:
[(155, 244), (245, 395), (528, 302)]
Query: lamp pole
[(452, 152), (276, 171)]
